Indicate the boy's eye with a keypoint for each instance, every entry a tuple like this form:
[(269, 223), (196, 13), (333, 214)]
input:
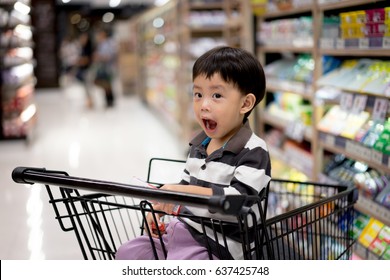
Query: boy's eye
[(217, 95), (197, 95)]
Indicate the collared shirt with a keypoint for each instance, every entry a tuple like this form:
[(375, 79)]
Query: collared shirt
[(241, 166)]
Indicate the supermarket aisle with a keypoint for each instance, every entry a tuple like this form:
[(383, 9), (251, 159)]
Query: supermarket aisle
[(113, 145)]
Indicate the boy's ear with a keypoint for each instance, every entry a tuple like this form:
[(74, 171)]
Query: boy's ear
[(249, 103)]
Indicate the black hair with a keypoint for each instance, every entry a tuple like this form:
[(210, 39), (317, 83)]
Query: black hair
[(236, 66)]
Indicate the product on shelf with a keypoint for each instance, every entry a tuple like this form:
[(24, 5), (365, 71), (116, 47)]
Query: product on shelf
[(382, 143), (360, 222), (338, 121), (290, 107), (380, 244), (363, 75), (383, 197), (297, 32), (370, 232), (286, 5)]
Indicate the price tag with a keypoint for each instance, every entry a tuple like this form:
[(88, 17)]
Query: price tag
[(295, 130), (359, 104), (380, 109), (386, 42), (330, 140), (376, 157), (340, 44), (346, 101), (365, 152), (349, 147), (355, 149), (387, 90), (364, 43), (327, 43)]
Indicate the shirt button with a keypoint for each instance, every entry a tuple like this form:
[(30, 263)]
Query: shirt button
[(203, 167)]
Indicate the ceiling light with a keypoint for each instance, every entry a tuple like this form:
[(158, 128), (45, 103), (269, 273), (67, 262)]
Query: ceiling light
[(114, 3)]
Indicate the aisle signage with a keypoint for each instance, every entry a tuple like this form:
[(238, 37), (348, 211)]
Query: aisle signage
[(376, 157), (364, 43), (356, 150), (386, 43), (359, 104), (346, 101), (340, 43), (379, 112)]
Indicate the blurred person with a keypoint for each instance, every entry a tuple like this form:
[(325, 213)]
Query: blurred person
[(69, 54), (104, 59), (83, 65)]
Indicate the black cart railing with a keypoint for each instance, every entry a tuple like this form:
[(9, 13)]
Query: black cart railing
[(305, 220)]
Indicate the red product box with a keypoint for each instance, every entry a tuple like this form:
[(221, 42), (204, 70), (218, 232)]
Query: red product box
[(375, 15), (375, 29)]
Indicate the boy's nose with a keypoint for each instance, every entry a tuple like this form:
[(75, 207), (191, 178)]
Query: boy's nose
[(205, 105)]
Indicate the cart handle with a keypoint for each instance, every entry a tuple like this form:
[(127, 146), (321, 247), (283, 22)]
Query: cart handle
[(227, 204)]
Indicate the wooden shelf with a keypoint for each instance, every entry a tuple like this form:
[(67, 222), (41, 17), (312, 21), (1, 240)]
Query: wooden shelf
[(355, 150), (346, 4), (291, 12), (356, 52), (282, 48)]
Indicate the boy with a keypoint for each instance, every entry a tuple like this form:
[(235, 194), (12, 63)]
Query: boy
[(225, 158)]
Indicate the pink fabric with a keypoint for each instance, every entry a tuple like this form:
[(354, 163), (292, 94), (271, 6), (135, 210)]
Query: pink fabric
[(178, 241)]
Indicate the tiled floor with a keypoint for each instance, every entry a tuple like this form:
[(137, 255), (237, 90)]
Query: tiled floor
[(113, 144)]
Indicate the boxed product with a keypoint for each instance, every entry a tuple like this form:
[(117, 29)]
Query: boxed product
[(360, 222), (386, 254), (381, 242), (375, 15), (370, 232), (383, 197)]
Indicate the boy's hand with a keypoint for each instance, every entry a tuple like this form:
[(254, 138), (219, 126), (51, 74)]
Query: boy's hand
[(152, 226)]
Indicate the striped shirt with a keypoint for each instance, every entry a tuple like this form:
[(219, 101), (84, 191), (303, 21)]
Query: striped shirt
[(241, 166)]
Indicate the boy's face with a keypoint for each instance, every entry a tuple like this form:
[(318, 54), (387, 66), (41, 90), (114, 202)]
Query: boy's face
[(219, 107)]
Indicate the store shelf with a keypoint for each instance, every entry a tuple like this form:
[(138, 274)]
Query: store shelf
[(376, 46), (299, 88), (289, 12), (368, 206), (355, 150), (324, 144), (291, 160), (284, 124), (364, 253), (284, 48), (341, 4), (18, 113)]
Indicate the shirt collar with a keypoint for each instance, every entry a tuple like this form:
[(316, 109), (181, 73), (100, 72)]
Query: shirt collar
[(234, 144)]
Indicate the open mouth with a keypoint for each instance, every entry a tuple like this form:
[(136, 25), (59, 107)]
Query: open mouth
[(209, 124)]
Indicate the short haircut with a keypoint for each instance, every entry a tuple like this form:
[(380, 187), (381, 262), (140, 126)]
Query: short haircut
[(236, 66)]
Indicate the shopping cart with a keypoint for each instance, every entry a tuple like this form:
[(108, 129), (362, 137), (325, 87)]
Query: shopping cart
[(304, 220)]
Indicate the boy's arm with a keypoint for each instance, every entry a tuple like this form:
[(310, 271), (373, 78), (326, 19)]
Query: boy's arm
[(189, 189)]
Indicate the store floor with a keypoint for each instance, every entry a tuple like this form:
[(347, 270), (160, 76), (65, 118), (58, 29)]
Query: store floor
[(109, 144)]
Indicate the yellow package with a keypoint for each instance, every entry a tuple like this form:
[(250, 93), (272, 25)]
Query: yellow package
[(370, 232), (387, 13), (347, 18), (360, 17)]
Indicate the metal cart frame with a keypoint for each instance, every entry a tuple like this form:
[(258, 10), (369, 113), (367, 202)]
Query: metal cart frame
[(316, 224)]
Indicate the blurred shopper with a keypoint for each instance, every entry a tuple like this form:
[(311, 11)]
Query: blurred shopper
[(83, 65), (104, 61), (69, 53)]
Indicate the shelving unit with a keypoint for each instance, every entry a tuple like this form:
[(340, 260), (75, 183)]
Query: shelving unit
[(189, 28), (17, 80), (323, 144)]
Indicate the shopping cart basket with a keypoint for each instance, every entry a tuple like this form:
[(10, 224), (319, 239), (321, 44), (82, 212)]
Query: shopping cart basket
[(316, 223)]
